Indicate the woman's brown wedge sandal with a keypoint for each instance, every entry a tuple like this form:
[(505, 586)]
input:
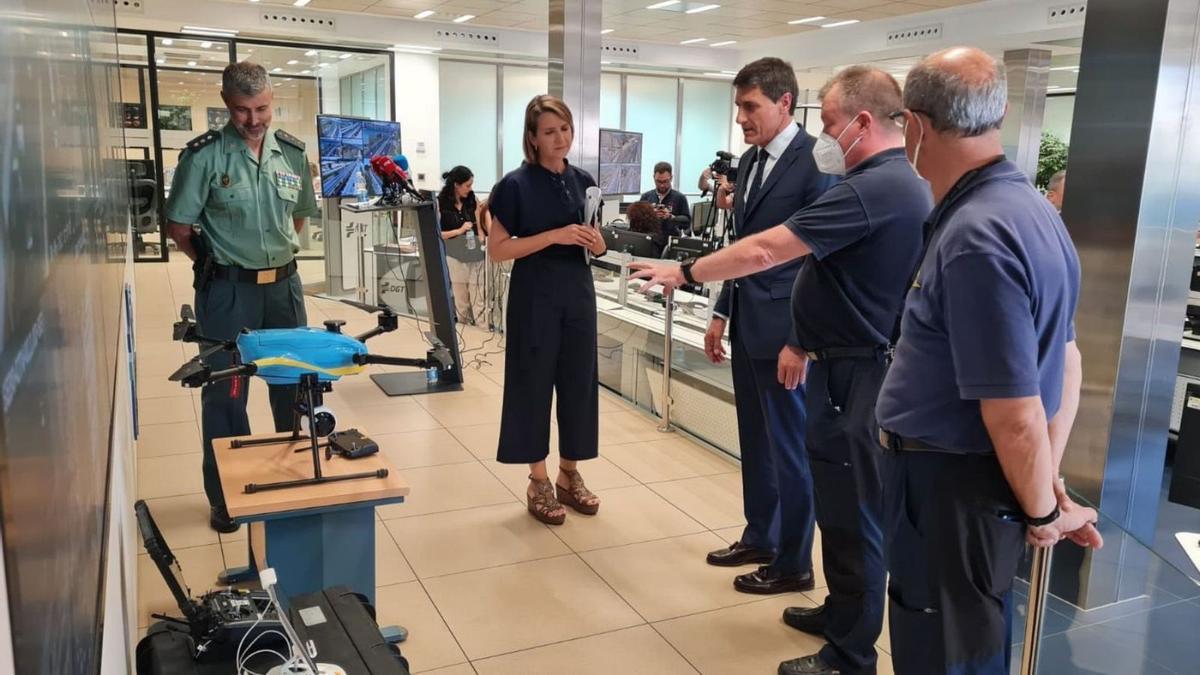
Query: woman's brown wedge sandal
[(542, 503), (577, 496)]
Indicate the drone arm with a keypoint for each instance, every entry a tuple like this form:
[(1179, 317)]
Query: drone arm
[(241, 370), (365, 359), (374, 332)]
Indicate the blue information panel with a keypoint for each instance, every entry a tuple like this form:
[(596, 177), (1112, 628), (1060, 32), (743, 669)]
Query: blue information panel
[(346, 145)]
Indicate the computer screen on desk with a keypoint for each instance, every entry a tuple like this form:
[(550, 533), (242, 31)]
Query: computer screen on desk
[(681, 248), (634, 243)]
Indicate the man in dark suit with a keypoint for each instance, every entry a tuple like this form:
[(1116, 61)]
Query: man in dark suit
[(776, 178), (670, 205)]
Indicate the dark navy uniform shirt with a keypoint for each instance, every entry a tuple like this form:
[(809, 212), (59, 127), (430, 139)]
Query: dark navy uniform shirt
[(532, 199), (988, 315), (865, 236)]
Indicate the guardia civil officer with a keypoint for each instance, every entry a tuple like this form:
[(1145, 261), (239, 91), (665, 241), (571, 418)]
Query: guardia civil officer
[(777, 177), (247, 191), (861, 240), (981, 396), (551, 322)]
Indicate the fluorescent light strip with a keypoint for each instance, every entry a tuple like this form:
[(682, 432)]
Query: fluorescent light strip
[(464, 18), (423, 48), (204, 30), (606, 31), (301, 3), (835, 24), (660, 5), (723, 43), (725, 75), (810, 19), (1065, 68), (345, 56), (311, 52), (693, 41), (702, 8), (424, 15)]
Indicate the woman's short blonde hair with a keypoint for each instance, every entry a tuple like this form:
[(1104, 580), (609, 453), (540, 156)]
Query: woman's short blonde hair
[(543, 103)]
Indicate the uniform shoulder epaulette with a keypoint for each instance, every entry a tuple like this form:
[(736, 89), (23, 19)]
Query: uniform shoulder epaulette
[(203, 140), (284, 137)]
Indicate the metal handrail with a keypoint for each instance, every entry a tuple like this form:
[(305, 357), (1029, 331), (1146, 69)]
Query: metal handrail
[(668, 321), (1039, 582)]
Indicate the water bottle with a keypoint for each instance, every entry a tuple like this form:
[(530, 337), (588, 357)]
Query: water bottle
[(431, 375), (471, 239), (360, 187)]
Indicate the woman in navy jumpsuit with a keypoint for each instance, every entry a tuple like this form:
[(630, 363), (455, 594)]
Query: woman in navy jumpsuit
[(551, 323)]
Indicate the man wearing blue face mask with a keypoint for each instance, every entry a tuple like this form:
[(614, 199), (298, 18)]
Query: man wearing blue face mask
[(863, 238)]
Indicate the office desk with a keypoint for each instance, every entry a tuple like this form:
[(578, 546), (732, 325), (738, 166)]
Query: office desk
[(316, 536)]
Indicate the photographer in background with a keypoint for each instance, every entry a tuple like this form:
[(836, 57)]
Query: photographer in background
[(670, 205), (778, 178)]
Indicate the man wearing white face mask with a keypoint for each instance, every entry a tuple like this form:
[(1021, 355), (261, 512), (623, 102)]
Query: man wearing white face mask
[(863, 237)]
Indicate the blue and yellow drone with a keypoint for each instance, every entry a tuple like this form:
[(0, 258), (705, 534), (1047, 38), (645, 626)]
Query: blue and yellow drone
[(312, 358)]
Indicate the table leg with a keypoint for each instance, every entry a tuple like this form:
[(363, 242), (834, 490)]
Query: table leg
[(313, 552)]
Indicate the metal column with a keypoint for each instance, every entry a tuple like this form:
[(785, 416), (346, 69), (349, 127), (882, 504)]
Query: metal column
[(1028, 72), (1132, 210), (575, 47)]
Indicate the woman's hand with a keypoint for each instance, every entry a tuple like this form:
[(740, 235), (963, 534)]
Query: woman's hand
[(466, 227), (574, 235)]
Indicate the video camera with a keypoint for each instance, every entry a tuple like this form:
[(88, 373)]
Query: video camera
[(723, 165)]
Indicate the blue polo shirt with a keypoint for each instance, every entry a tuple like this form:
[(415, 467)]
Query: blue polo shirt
[(865, 236), (989, 314)]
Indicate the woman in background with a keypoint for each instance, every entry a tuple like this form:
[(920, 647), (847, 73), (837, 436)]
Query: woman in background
[(551, 320), (643, 218), (460, 220)]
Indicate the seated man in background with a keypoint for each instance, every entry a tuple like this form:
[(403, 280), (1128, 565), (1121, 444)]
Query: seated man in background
[(670, 205), (643, 218)]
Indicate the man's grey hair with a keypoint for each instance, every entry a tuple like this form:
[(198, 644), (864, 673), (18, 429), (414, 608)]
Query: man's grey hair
[(966, 104), (244, 79), (1056, 181)]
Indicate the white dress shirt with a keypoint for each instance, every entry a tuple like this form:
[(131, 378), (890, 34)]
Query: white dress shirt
[(774, 150)]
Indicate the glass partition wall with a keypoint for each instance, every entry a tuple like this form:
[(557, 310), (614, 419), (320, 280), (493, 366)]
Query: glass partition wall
[(170, 93)]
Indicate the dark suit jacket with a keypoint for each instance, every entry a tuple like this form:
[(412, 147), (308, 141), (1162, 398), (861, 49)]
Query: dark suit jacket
[(759, 306)]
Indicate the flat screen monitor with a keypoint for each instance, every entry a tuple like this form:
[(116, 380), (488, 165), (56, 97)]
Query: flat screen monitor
[(347, 144), (637, 244), (620, 162), (681, 248)]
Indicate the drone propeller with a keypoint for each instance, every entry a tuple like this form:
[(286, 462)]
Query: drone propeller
[(191, 373), (370, 309)]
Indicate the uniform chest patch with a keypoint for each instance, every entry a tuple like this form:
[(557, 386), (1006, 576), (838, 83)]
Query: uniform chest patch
[(285, 179)]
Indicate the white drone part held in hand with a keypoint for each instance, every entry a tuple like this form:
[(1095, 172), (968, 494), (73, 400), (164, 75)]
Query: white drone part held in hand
[(591, 212)]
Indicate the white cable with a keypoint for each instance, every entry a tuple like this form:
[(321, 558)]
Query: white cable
[(243, 670), (237, 655), (250, 646)]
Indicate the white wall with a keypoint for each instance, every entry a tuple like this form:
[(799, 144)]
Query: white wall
[(416, 92)]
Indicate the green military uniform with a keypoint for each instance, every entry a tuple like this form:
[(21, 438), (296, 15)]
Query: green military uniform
[(244, 206)]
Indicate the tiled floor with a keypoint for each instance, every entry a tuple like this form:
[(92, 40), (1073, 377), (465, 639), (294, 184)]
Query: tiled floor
[(481, 586), (485, 589)]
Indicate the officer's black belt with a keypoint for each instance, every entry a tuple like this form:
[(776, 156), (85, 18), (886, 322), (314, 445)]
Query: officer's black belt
[(897, 443), (832, 353), (245, 276)]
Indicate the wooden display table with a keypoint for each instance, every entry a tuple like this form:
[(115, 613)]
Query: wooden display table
[(316, 536)]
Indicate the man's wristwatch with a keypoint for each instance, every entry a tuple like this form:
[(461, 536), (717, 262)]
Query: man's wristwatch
[(685, 268), (1044, 520)]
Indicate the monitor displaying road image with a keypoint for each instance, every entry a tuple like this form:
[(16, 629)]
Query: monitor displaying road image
[(620, 162), (346, 144)]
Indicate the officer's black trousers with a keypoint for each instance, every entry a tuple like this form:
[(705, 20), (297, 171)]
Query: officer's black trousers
[(223, 309), (551, 348), (847, 461), (955, 538)]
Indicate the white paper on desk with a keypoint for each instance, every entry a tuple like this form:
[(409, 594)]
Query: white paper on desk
[(590, 212)]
